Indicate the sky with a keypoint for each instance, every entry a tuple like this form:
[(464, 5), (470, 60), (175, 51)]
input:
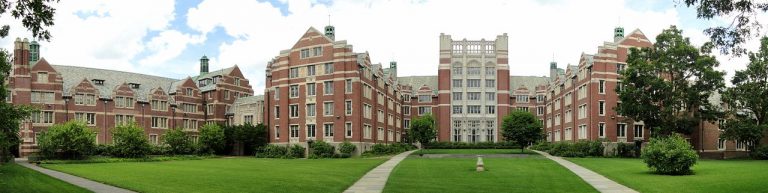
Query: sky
[(167, 38)]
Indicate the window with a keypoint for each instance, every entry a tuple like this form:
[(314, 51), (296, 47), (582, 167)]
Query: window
[(158, 105), (621, 130), (539, 110), (457, 109), (311, 89), (601, 108), (42, 117), (490, 109), (638, 131), (348, 86), (489, 126), (619, 68), (153, 139), (490, 71), (328, 130), (619, 86), (88, 118), (304, 53), (293, 72), (457, 83), (248, 119), (457, 96), (48, 98), (188, 107), (189, 92), (582, 131), (490, 96), (367, 129), (406, 98), (601, 130), (522, 109), (425, 98), (424, 110), (582, 111), (277, 112), (380, 116), (473, 83), (457, 70), (348, 107), (328, 68), (568, 133), (277, 132), (456, 133), (406, 110), (328, 87), (42, 77), (521, 98), (406, 124), (317, 51), (380, 134), (123, 119), (490, 83), (123, 102), (159, 122), (473, 109), (348, 130), (328, 108), (311, 109), (277, 93), (540, 98), (311, 71), (98, 82), (311, 130), (473, 96), (721, 144), (293, 110), (294, 133), (293, 91), (601, 87), (473, 70)]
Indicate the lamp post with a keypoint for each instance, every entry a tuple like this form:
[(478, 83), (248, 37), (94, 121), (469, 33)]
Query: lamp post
[(173, 116), (66, 107)]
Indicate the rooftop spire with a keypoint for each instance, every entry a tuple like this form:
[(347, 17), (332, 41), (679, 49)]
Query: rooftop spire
[(330, 31)]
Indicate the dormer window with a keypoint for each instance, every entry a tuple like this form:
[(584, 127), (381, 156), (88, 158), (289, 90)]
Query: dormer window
[(135, 85), (99, 82), (201, 83), (189, 92)]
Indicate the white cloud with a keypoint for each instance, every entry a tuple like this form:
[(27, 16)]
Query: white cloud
[(168, 45)]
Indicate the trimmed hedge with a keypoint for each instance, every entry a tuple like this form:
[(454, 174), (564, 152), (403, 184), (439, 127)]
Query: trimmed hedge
[(346, 149), (464, 145), (277, 151), (321, 149), (581, 148), (384, 149)]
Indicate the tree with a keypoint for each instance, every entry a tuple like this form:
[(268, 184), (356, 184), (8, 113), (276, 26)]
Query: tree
[(71, 140), (423, 129), (244, 139), (178, 142), (130, 141), (748, 106), (522, 128), (744, 22), (36, 16), (667, 86), (212, 139)]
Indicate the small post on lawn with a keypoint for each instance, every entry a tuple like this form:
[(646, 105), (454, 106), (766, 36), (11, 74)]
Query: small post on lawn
[(480, 165)]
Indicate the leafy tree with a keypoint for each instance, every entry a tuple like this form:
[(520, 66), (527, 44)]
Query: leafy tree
[(211, 139), (244, 139), (748, 106), (35, 16), (521, 127), (71, 140), (668, 85), (423, 129), (130, 141), (179, 143), (744, 23)]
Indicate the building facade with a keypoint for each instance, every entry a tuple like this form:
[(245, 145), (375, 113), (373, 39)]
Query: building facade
[(104, 98)]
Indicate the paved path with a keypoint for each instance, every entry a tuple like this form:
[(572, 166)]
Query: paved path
[(77, 181), (601, 183), (374, 180), (470, 155)]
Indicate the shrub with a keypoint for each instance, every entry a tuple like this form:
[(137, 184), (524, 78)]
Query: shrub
[(347, 149), (463, 145), (296, 151), (158, 149), (178, 142), (102, 150), (627, 150), (542, 146), (670, 155), (760, 152), (383, 149), (130, 142), (272, 151), (321, 149), (71, 140), (211, 139), (581, 148)]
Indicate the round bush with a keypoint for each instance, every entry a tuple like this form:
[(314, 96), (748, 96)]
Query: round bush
[(671, 155), (321, 149), (296, 151), (178, 142), (760, 152), (272, 151), (71, 140), (347, 148), (130, 142)]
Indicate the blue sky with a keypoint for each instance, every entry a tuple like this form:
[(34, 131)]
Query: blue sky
[(166, 37)]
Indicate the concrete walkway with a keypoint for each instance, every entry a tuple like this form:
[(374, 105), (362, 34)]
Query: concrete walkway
[(77, 181), (601, 183), (374, 180)]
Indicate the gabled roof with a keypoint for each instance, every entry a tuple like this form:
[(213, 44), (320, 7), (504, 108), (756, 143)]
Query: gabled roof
[(528, 82), (73, 75), (311, 30), (637, 32)]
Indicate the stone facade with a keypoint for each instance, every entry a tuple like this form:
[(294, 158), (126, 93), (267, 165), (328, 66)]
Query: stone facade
[(105, 98)]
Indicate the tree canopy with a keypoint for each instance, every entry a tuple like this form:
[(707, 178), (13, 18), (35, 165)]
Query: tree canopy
[(743, 25), (522, 127), (668, 85), (423, 129)]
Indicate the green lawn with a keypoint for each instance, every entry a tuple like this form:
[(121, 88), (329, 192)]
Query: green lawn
[(472, 151), (710, 175), (530, 174), (18, 179), (228, 174)]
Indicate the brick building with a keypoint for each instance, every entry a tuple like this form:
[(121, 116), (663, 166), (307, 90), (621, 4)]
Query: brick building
[(104, 98)]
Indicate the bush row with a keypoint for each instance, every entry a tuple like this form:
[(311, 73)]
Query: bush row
[(464, 145), (388, 149), (571, 149)]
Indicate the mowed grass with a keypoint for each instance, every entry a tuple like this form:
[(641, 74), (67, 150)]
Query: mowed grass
[(473, 151), (18, 179), (228, 174), (709, 175), (531, 174)]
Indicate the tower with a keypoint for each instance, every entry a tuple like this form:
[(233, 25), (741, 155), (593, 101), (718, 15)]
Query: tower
[(393, 69), (552, 70), (34, 52), (330, 32), (618, 33), (204, 65)]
